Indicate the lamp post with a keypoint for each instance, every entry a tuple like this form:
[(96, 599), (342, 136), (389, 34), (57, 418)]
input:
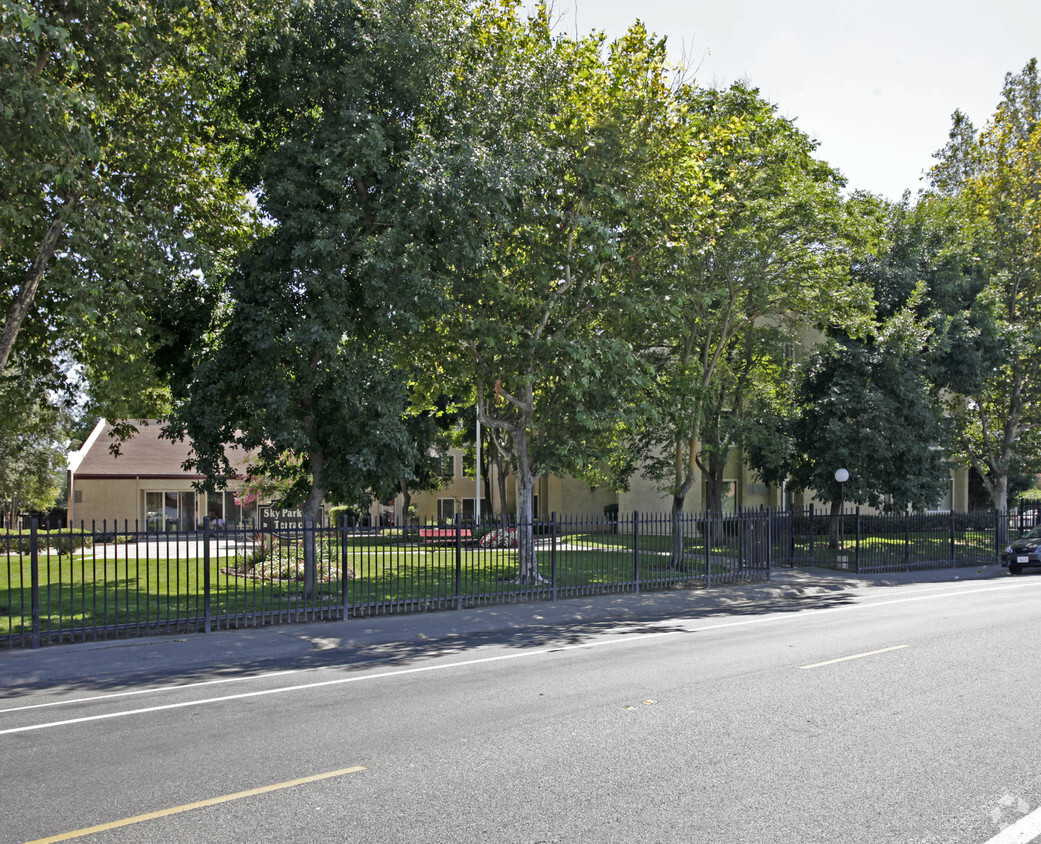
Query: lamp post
[(841, 475)]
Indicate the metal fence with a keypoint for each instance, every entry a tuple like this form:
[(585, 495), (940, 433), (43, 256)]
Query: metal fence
[(879, 543), (118, 581)]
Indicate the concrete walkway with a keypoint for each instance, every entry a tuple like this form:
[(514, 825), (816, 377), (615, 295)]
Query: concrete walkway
[(117, 663)]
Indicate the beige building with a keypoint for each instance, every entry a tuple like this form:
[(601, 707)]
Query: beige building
[(742, 489), (552, 494), (145, 487)]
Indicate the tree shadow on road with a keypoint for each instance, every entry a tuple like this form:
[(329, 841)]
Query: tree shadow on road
[(544, 626)]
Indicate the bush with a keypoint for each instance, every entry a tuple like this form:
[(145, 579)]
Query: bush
[(66, 543), (63, 542), (15, 543)]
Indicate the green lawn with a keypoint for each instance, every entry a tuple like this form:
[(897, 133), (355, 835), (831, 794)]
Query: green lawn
[(87, 591), (895, 552)]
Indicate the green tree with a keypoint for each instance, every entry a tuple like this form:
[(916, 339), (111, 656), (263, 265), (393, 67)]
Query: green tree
[(33, 436), (866, 407), (994, 176), (309, 353), (573, 130), (928, 336), (114, 200), (733, 297)]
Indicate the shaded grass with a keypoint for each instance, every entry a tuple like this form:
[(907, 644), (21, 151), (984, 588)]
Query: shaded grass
[(918, 550)]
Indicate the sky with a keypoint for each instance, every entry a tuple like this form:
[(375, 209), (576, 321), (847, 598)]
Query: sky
[(874, 82)]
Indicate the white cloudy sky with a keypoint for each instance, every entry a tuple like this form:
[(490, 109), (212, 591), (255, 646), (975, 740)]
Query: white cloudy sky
[(875, 82)]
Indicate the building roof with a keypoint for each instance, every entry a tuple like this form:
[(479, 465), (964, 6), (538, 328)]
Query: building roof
[(144, 455)]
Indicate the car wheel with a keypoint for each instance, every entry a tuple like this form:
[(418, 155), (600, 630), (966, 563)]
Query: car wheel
[(1014, 569)]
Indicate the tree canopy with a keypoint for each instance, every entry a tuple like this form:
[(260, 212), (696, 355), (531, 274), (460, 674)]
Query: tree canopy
[(993, 179), (115, 201), (579, 132), (309, 350)]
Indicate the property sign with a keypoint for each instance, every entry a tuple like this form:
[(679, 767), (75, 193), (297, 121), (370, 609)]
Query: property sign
[(272, 518)]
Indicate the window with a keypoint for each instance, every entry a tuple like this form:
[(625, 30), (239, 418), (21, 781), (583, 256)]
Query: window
[(469, 509), (446, 509), (946, 503), (169, 511), (729, 495), (224, 506)]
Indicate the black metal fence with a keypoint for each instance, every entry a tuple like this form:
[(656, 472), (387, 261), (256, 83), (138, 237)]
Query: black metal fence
[(117, 581), (880, 543)]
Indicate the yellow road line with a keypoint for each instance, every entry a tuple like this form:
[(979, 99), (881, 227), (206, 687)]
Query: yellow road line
[(855, 656), (188, 807)]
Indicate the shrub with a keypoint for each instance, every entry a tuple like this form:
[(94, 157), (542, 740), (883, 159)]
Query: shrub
[(63, 542), (66, 543)]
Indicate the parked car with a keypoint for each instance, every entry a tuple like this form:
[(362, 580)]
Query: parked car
[(1025, 551)]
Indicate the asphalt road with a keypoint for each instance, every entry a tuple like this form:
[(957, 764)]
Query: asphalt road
[(884, 715)]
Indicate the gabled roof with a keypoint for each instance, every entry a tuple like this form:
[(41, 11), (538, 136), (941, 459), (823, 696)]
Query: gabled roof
[(144, 455)]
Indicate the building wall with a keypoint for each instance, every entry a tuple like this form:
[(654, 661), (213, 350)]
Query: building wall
[(554, 493), (99, 501), (120, 501)]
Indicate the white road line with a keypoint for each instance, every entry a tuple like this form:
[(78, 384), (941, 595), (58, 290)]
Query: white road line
[(1027, 828), (767, 619), (337, 682), (855, 656), (157, 689)]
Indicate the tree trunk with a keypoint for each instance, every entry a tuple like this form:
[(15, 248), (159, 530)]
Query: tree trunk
[(999, 492), (24, 300), (501, 482), (999, 495), (501, 473), (527, 560), (487, 513), (406, 500), (676, 538), (310, 514), (836, 520)]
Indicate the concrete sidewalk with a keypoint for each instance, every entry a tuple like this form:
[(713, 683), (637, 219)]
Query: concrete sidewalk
[(116, 663)]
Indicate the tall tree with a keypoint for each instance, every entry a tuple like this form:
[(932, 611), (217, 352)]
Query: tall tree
[(309, 353), (866, 406), (114, 200), (995, 177), (733, 297), (872, 404), (575, 130)]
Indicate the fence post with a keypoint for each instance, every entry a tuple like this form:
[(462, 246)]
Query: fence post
[(907, 540), (769, 544), (742, 527), (636, 550), (813, 532), (553, 553), (34, 574), (458, 561), (856, 557), (791, 537), (206, 605), (708, 548), (343, 563), (954, 561)]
